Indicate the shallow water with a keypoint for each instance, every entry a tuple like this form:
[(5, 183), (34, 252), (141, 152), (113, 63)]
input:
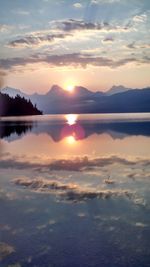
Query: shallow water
[(75, 190)]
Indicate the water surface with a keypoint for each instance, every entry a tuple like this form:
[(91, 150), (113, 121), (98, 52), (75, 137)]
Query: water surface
[(74, 190)]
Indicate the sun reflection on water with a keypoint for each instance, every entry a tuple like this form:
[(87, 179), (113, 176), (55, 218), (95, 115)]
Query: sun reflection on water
[(70, 140), (71, 118), (72, 131)]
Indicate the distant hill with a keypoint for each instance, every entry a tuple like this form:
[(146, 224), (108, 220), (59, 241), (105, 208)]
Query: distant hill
[(12, 92), (117, 89), (17, 106), (116, 100)]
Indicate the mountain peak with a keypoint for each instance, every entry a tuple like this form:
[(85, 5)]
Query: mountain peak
[(117, 89), (12, 92), (55, 89), (82, 91)]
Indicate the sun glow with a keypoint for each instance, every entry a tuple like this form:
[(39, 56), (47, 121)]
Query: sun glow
[(70, 88), (70, 139), (71, 118)]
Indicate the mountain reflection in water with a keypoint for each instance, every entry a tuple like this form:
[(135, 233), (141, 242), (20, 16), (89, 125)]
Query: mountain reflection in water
[(71, 126), (67, 177)]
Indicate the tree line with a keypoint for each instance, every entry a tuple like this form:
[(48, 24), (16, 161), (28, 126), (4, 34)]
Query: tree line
[(17, 106)]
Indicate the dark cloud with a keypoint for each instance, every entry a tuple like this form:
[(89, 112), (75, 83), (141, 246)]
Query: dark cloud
[(43, 184), (69, 192), (108, 39), (77, 164), (83, 195), (80, 25), (125, 61), (38, 40), (131, 46), (74, 59)]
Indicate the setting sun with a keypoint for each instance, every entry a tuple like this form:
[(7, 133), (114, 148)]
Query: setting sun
[(70, 88)]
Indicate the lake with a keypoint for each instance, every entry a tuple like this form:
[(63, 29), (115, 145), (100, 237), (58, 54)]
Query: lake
[(75, 190)]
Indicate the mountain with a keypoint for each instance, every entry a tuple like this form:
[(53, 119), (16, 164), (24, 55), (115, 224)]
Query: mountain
[(117, 100), (117, 89), (12, 92)]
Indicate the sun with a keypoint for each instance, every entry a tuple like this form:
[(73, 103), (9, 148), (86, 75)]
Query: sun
[(70, 88)]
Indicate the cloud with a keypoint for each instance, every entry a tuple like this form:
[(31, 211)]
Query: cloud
[(79, 178), (69, 192), (77, 5), (4, 28), (5, 250), (81, 25), (108, 40), (73, 60), (2, 73), (140, 18), (21, 12), (72, 192), (36, 40), (96, 2), (134, 45), (2, 77), (131, 45), (43, 184), (141, 224), (75, 164)]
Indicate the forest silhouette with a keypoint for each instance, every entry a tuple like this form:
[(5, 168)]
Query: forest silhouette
[(17, 106)]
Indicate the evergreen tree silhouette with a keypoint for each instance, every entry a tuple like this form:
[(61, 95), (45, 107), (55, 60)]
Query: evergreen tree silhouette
[(17, 106)]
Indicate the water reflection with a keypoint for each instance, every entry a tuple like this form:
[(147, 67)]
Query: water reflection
[(76, 131), (68, 177), (70, 139), (73, 128), (71, 118), (19, 128)]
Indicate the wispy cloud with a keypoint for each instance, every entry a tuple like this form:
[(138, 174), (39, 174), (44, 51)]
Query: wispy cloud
[(77, 5), (135, 45), (36, 40), (104, 1), (140, 18), (5, 28), (21, 12)]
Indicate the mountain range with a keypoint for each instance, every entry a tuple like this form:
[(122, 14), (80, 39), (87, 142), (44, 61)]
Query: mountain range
[(118, 99)]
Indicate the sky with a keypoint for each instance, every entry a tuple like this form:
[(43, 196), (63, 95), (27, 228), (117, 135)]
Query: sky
[(93, 43)]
